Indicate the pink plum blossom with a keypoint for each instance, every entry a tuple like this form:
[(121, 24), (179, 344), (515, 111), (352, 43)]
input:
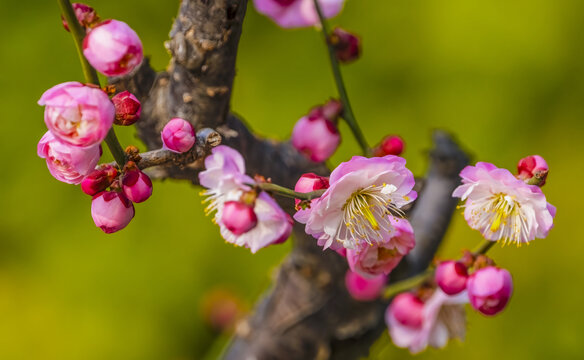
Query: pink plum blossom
[(441, 318), (69, 164), (503, 207), (355, 208), (297, 13), (489, 289), (451, 276), (225, 180), (364, 289), (113, 48), (533, 165), (77, 114), (136, 185), (316, 136), (382, 257), (128, 108), (111, 211), (178, 135)]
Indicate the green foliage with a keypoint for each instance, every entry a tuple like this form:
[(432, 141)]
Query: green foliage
[(506, 77)]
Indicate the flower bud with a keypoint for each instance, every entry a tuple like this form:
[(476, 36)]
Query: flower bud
[(85, 14), (310, 182), (128, 108), (533, 166), (331, 110), (77, 114), (99, 179), (238, 217), (451, 277), (178, 135), (489, 289), (407, 309), (390, 145), (316, 136), (136, 185), (113, 48), (69, 164), (363, 289), (111, 211), (347, 45)]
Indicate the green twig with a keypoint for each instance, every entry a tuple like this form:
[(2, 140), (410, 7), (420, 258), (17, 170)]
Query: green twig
[(290, 193), (348, 115), (90, 74)]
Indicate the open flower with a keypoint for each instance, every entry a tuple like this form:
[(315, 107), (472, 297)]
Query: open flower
[(356, 208), (413, 326), (503, 207), (297, 13), (380, 258), (226, 181)]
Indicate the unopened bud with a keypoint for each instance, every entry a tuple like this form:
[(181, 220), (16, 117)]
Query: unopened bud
[(407, 309), (99, 180), (347, 45), (128, 108), (364, 289), (332, 110), (451, 277), (85, 14), (533, 169), (390, 145), (136, 185), (316, 136), (310, 182), (111, 211), (238, 217), (489, 289), (178, 135)]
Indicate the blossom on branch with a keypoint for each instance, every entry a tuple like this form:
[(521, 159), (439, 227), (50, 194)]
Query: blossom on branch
[(502, 207), (69, 164), (226, 181), (297, 13), (369, 260), (415, 326), (356, 208), (77, 114)]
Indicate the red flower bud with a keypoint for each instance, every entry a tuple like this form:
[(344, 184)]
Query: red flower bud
[(128, 108), (347, 45)]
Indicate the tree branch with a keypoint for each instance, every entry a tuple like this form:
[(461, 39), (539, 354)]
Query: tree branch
[(308, 313)]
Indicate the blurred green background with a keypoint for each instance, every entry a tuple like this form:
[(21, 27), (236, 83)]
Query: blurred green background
[(505, 76)]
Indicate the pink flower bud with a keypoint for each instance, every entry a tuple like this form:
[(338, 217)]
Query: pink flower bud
[(347, 45), (451, 277), (238, 217), (489, 289), (331, 110), (111, 211), (85, 14), (178, 135), (77, 114), (533, 165), (407, 309), (99, 179), (128, 108), (363, 289), (136, 185), (310, 182), (390, 145), (69, 164), (316, 136), (113, 48)]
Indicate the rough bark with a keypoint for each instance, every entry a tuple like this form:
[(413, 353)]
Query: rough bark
[(308, 313)]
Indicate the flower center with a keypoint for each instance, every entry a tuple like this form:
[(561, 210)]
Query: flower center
[(365, 215)]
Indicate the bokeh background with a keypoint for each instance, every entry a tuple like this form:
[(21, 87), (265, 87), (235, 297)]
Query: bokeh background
[(505, 76)]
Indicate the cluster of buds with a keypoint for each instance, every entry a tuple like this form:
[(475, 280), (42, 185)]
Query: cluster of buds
[(489, 287), (316, 135)]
